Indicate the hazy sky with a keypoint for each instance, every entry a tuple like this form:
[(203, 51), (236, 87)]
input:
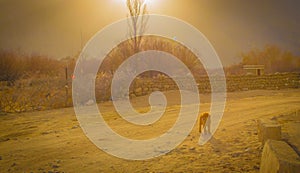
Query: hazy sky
[(54, 27)]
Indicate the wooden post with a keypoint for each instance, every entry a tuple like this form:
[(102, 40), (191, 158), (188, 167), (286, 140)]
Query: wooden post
[(66, 86)]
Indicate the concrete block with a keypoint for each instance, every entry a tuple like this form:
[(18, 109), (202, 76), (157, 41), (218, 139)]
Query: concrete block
[(268, 129), (279, 157)]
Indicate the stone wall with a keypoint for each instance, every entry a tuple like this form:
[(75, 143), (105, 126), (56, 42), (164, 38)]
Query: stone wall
[(143, 86), (274, 81)]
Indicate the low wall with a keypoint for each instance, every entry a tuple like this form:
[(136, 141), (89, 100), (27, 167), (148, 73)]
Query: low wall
[(274, 81), (143, 86), (51, 92)]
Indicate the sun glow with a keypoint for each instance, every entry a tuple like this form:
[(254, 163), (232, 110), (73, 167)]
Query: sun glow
[(143, 1)]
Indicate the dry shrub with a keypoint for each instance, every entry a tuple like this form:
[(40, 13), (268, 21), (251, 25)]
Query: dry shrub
[(34, 94), (102, 86), (33, 82), (11, 67)]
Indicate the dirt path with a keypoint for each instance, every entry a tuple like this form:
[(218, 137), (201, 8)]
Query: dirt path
[(52, 141)]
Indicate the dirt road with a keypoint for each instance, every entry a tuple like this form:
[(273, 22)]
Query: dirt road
[(52, 141)]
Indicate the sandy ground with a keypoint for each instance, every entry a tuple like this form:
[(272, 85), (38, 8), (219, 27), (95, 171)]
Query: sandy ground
[(52, 141)]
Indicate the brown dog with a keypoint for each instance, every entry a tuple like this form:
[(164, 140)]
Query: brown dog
[(204, 122)]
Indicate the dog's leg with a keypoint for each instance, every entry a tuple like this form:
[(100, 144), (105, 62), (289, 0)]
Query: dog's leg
[(200, 124), (208, 124), (204, 127)]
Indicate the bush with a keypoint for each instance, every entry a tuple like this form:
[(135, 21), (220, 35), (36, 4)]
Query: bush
[(11, 67), (34, 94)]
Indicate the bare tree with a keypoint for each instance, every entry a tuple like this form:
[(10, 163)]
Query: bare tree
[(137, 22)]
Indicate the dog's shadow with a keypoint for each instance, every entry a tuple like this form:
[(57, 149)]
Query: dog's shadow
[(217, 145)]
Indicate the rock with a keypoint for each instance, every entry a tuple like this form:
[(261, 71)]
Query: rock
[(235, 154), (279, 157), (236, 140), (138, 91), (217, 150), (75, 127), (132, 95), (155, 89), (167, 87), (89, 102), (256, 167), (55, 166), (245, 89), (192, 148), (274, 118), (4, 139)]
